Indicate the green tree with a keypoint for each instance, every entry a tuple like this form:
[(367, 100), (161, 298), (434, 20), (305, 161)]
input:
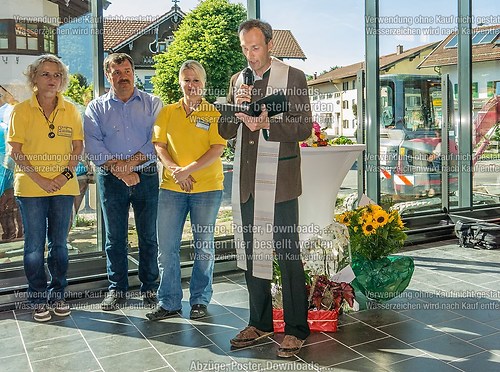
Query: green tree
[(79, 91), (208, 34)]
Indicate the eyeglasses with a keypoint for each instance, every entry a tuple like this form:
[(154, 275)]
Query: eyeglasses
[(48, 75)]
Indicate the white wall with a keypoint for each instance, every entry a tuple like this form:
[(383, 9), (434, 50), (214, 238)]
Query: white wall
[(482, 72), (30, 8), (11, 74)]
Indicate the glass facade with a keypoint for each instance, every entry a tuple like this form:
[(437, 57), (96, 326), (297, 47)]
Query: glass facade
[(406, 106)]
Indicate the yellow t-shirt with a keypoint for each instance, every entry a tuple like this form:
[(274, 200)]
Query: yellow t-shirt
[(188, 138), (48, 156)]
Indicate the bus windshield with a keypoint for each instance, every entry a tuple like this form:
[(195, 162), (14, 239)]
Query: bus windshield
[(410, 102)]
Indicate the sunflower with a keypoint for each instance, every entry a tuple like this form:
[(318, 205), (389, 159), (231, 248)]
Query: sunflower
[(344, 218), (381, 217), (369, 228)]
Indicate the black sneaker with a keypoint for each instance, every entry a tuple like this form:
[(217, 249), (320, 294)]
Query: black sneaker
[(112, 300), (149, 299), (160, 313), (41, 313), (61, 308), (198, 311)]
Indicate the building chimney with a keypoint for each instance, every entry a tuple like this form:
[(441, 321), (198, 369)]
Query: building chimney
[(399, 49)]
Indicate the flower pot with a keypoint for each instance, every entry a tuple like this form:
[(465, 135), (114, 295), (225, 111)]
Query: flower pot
[(319, 320), (382, 279)]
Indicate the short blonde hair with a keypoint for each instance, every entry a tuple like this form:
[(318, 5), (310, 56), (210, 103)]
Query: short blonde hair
[(196, 67), (32, 69)]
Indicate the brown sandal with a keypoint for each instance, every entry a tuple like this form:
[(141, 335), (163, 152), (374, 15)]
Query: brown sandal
[(249, 336), (290, 346)]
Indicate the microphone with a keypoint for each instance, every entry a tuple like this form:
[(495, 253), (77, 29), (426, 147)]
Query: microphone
[(248, 76), (247, 80)]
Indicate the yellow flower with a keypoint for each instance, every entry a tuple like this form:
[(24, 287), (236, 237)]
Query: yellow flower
[(401, 225), (369, 228), (380, 217), (344, 218)]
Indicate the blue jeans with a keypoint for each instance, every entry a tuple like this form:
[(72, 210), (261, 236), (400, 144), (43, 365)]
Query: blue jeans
[(173, 208), (44, 218), (116, 198)]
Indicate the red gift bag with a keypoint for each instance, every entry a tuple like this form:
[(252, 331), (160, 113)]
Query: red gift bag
[(319, 320)]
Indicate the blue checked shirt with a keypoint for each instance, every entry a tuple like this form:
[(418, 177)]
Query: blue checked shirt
[(117, 130)]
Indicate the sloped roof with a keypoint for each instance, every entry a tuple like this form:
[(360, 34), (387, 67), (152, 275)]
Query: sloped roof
[(385, 62), (120, 30), (286, 46), (442, 56), (116, 31)]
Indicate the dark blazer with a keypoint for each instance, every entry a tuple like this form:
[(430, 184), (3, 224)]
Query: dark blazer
[(296, 125)]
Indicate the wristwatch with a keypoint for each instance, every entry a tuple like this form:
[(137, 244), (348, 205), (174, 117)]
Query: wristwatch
[(67, 173)]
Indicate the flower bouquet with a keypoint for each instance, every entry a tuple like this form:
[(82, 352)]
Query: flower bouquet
[(374, 235), (322, 256), (318, 138)]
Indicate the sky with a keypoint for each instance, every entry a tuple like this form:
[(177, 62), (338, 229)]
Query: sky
[(331, 32)]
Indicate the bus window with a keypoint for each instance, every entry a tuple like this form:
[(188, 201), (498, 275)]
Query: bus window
[(387, 104), (422, 99)]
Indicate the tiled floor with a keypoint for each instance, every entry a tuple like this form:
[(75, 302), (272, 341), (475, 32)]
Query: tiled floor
[(448, 320)]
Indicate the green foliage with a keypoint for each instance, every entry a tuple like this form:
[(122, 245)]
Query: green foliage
[(208, 34), (342, 140), (373, 232), (79, 91), (228, 153), (139, 83)]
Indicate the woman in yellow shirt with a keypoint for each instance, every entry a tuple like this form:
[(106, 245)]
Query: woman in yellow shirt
[(46, 137), (189, 146)]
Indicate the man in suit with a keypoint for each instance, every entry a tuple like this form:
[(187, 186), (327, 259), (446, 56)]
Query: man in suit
[(266, 187)]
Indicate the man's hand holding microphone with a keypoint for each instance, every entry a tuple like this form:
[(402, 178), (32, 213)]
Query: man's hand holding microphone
[(244, 96)]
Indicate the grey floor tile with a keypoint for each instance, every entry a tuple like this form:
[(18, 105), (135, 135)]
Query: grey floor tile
[(231, 297), (58, 346), (241, 310), (431, 315), (378, 318), (15, 363), (34, 332), (263, 357), (208, 358), (219, 323), (140, 360), (484, 362), (179, 341), (92, 328), (447, 348), (411, 331), (490, 342), (121, 343), (11, 346), (356, 333), (387, 351), (360, 364), (423, 363), (466, 329), (155, 328), (83, 361), (327, 353), (225, 286)]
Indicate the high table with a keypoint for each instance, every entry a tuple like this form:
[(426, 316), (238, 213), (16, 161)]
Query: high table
[(323, 171)]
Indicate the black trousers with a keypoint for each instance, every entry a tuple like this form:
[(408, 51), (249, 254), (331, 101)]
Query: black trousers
[(287, 249)]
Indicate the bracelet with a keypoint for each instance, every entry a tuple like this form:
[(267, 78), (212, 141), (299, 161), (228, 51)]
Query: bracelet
[(67, 173)]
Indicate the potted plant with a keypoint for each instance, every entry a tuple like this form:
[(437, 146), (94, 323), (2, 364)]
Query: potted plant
[(323, 256), (375, 234)]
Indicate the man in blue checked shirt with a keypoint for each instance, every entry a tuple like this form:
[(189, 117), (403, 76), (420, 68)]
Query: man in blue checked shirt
[(118, 131)]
